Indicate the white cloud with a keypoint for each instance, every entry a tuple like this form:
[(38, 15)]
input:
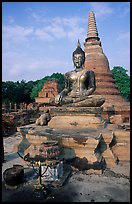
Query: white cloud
[(16, 70), (124, 9), (16, 33), (123, 36), (65, 27), (56, 31), (36, 17), (70, 22), (71, 28), (101, 8), (42, 34), (18, 66), (11, 19)]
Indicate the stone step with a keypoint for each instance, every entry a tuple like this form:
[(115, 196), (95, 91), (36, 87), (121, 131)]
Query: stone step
[(122, 153), (121, 132), (123, 141), (125, 149), (123, 161), (110, 162)]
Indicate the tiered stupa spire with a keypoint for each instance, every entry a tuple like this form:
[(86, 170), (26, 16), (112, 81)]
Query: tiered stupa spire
[(92, 28), (96, 60)]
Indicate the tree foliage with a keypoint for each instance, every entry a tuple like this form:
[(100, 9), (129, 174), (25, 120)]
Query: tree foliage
[(122, 81), (18, 92)]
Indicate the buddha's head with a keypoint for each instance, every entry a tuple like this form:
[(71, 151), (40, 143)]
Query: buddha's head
[(78, 56)]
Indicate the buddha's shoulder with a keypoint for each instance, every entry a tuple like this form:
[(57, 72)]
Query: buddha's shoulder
[(89, 72), (67, 74)]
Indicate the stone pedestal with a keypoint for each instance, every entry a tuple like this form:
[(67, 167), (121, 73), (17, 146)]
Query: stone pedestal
[(76, 117), (80, 133), (80, 143), (79, 121)]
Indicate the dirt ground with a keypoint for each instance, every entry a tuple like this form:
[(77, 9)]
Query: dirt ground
[(112, 186)]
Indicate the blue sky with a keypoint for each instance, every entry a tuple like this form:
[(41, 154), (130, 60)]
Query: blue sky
[(38, 38)]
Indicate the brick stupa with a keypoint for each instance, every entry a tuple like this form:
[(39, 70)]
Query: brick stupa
[(49, 90), (98, 62)]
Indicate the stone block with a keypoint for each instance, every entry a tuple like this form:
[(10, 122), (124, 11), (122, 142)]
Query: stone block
[(116, 119), (122, 134), (74, 122), (83, 143), (35, 139), (94, 171), (122, 152), (89, 155)]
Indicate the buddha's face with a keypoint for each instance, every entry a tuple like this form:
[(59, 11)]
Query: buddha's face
[(78, 60)]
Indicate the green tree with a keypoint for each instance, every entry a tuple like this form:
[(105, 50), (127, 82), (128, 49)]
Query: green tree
[(17, 92), (122, 81), (28, 89), (8, 91)]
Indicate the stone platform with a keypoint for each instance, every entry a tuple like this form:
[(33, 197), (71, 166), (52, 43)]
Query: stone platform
[(75, 117), (80, 133), (110, 144), (73, 143)]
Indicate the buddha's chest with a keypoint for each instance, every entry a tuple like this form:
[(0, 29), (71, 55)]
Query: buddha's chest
[(78, 76)]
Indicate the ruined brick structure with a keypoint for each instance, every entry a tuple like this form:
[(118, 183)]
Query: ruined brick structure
[(98, 62), (49, 90)]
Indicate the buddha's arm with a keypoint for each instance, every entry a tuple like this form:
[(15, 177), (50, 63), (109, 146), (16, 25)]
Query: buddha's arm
[(91, 83), (64, 92)]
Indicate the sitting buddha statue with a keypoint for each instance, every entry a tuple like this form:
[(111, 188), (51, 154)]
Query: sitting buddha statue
[(79, 85)]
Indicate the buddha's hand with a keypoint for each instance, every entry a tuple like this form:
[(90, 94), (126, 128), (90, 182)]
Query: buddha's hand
[(86, 92), (83, 93), (58, 99)]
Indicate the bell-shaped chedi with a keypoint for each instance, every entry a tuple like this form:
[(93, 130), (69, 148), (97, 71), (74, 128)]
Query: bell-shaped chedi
[(98, 62)]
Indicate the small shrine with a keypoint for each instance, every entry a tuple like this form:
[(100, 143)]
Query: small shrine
[(49, 90)]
